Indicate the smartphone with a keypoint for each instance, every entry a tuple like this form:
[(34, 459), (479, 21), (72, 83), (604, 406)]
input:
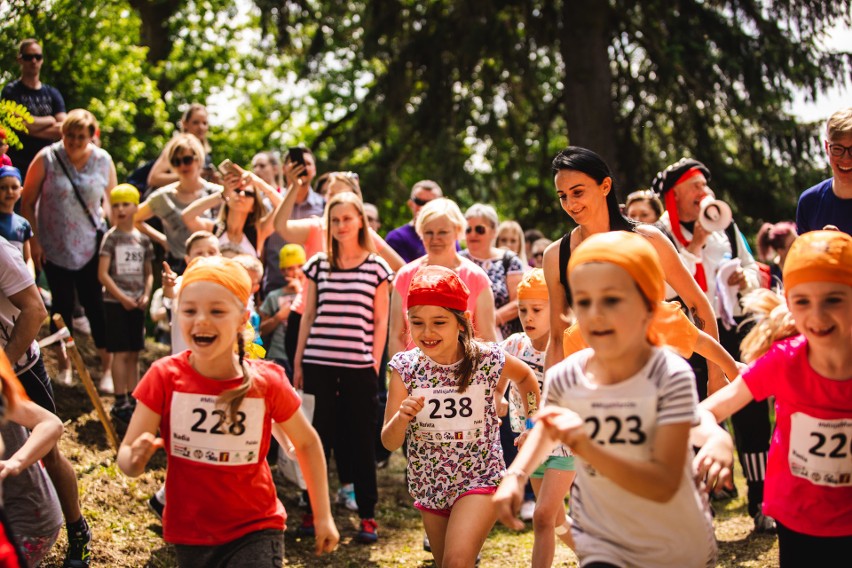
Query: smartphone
[(296, 155), (226, 167)]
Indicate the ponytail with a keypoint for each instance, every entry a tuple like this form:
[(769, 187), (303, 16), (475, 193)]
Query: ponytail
[(233, 398), (470, 352), (772, 322)]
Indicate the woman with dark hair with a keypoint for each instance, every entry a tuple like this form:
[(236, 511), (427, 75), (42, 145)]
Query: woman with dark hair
[(584, 186)]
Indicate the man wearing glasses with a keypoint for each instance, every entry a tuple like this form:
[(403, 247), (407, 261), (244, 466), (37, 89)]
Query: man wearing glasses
[(44, 102), (405, 240), (829, 203)]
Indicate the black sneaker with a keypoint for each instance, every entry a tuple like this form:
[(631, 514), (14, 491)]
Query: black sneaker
[(156, 507), (764, 524), (122, 414), (306, 529), (79, 555)]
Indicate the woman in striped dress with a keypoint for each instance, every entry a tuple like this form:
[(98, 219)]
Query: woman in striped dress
[(341, 339)]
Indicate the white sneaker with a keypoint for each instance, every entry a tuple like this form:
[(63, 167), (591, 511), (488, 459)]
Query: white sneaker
[(106, 385), (82, 325), (527, 510), (346, 497)]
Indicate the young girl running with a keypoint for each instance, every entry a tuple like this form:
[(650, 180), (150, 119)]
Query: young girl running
[(341, 340), (808, 487), (625, 408), (552, 480), (216, 411), (442, 394)]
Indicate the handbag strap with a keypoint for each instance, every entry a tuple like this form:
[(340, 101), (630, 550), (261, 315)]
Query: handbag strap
[(89, 215)]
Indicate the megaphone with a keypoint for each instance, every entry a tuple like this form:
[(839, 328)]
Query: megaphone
[(714, 215)]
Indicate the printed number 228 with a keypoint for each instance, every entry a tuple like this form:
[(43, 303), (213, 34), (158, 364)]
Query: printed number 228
[(235, 429)]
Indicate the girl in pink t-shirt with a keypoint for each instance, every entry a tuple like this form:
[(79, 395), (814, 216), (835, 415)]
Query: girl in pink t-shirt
[(808, 487)]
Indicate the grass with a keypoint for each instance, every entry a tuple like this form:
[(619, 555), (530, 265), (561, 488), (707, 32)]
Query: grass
[(127, 534)]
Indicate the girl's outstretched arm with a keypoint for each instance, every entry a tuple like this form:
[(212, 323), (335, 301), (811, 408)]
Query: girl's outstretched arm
[(520, 373), (45, 430), (140, 442), (309, 453), (656, 478), (728, 400), (711, 350), (400, 410)]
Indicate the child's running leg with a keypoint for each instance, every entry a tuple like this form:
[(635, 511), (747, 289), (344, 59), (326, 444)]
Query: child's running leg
[(436, 530), (471, 520), (550, 492)]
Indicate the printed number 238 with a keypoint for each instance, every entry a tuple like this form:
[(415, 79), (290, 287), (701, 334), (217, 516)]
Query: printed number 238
[(449, 406)]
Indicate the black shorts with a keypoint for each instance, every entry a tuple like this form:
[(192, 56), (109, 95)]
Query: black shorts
[(125, 328)]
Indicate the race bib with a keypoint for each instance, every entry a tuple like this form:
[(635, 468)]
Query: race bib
[(451, 416), (627, 424), (129, 260), (203, 432), (821, 450)]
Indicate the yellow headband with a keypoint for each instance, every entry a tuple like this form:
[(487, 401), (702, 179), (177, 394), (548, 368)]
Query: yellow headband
[(124, 193), (533, 286), (819, 256), (629, 251), (222, 271)]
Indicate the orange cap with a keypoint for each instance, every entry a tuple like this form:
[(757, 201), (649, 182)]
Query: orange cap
[(629, 251), (222, 271), (819, 256), (533, 286)]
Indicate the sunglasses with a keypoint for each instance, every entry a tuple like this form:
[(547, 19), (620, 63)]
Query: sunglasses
[(420, 202), (32, 56), (480, 229), (538, 255), (244, 192), (185, 160)]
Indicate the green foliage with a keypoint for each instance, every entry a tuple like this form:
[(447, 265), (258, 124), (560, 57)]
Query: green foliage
[(13, 119)]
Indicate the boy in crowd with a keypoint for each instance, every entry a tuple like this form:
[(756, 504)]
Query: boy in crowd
[(13, 227), (126, 273), (276, 307)]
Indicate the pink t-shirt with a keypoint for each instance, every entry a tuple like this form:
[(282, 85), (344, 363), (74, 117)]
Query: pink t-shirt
[(809, 472), (218, 484), (473, 276), (316, 243)]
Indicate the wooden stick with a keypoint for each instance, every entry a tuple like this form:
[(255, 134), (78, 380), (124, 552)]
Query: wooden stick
[(86, 378)]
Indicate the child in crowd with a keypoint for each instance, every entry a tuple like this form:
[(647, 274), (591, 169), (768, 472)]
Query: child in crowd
[(442, 396), (553, 478), (275, 309), (341, 340), (625, 407), (13, 227), (808, 487), (216, 411), (125, 271), (254, 267)]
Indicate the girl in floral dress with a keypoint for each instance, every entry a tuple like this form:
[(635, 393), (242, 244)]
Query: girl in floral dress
[(442, 395)]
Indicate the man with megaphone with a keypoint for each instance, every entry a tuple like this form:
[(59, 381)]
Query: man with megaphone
[(712, 247)]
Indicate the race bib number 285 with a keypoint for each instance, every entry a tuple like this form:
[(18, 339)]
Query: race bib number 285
[(203, 432)]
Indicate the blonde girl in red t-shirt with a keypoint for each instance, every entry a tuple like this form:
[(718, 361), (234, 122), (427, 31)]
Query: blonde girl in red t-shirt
[(803, 352), (215, 410)]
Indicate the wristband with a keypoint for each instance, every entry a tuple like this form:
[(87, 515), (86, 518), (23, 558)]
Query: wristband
[(515, 473), (530, 424)]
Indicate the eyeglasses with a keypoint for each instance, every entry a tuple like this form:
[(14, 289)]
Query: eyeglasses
[(32, 56), (185, 160), (837, 150), (244, 192), (480, 229), (420, 202)]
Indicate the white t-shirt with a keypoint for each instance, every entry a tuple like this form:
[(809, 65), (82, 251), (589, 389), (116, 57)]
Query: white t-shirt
[(14, 277), (611, 524)]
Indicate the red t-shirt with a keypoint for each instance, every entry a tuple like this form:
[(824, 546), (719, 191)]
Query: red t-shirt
[(808, 484), (218, 485)]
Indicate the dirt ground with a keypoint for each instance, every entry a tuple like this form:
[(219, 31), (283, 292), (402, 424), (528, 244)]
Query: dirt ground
[(127, 534)]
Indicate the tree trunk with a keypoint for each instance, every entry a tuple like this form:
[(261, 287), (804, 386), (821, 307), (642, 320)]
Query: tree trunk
[(154, 31), (587, 103)]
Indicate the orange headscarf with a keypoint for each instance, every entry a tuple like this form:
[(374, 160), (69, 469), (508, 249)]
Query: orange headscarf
[(819, 256), (222, 271), (533, 286), (637, 257)]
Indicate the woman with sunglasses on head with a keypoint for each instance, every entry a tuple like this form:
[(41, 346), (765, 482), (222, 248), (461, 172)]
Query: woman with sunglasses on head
[(243, 224), (643, 206), (194, 122), (186, 155)]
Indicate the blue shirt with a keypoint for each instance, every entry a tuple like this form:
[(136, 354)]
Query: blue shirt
[(15, 229), (819, 206)]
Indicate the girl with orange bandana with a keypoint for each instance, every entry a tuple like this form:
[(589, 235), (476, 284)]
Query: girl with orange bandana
[(625, 407), (808, 487), (215, 410)]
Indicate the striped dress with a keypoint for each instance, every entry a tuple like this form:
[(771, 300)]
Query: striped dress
[(343, 329)]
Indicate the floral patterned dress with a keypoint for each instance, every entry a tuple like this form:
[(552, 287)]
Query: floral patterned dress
[(496, 269), (454, 442)]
